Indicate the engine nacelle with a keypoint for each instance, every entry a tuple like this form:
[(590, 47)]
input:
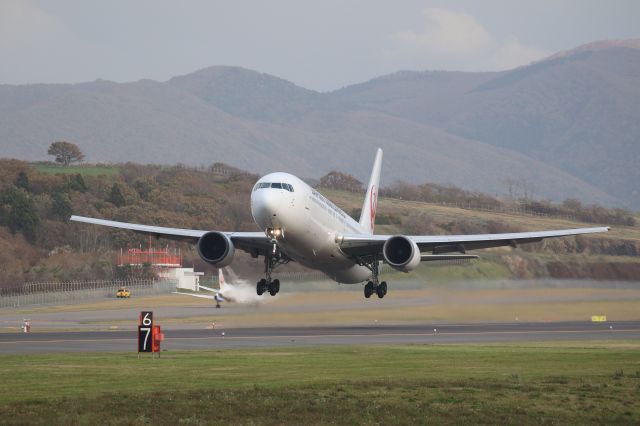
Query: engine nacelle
[(216, 248), (401, 253)]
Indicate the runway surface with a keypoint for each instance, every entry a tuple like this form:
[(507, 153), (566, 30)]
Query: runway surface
[(92, 341)]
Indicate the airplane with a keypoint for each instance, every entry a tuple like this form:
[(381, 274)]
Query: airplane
[(299, 224), (218, 295)]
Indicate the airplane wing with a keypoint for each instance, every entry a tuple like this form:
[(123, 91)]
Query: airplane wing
[(251, 242), (367, 245), (209, 288), (202, 296), (217, 297)]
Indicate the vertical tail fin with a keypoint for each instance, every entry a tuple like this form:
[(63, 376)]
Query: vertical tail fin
[(368, 214), (221, 282)]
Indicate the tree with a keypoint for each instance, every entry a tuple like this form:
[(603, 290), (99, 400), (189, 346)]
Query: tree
[(76, 183), (65, 152), (143, 187), (22, 180), (61, 206), (19, 212), (116, 197), (341, 181)]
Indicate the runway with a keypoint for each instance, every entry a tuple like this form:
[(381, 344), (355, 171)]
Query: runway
[(178, 339)]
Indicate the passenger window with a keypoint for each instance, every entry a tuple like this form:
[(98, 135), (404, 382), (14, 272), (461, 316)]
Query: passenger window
[(276, 185)]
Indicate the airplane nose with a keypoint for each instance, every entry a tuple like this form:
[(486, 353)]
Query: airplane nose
[(265, 206)]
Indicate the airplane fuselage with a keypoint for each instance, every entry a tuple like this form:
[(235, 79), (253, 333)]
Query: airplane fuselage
[(308, 224)]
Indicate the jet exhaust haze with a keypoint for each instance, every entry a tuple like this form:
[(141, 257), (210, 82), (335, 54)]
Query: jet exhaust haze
[(240, 290)]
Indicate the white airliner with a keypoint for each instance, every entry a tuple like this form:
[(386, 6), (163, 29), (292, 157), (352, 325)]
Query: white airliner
[(300, 224), (223, 294)]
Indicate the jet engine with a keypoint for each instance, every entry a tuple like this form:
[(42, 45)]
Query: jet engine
[(401, 253), (216, 248)]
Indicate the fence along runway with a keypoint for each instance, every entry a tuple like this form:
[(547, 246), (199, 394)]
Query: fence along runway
[(182, 339), (68, 292)]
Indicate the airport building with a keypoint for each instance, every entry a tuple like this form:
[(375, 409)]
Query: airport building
[(167, 263)]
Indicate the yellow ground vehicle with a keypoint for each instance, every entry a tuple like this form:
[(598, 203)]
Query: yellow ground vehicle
[(123, 293)]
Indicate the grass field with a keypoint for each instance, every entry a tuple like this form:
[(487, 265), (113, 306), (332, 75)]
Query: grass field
[(535, 383), (89, 170)]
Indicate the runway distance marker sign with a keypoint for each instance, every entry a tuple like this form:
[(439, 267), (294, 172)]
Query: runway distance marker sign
[(145, 335)]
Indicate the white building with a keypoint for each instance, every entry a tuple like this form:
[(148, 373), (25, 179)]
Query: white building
[(187, 278)]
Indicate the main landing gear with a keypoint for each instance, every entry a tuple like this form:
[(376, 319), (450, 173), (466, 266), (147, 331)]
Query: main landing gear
[(271, 261), (374, 286), (380, 289), (263, 286)]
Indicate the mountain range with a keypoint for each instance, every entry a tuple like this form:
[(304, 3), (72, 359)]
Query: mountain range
[(564, 127)]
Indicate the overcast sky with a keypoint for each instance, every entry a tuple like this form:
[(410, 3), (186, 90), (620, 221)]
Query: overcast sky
[(321, 45)]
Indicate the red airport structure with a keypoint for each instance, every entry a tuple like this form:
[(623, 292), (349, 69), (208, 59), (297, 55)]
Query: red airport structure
[(163, 258), (167, 262)]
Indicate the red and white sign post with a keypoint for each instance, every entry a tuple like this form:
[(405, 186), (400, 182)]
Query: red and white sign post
[(149, 335)]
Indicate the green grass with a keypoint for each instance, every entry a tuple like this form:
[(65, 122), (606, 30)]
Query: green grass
[(484, 268), (89, 170), (571, 383)]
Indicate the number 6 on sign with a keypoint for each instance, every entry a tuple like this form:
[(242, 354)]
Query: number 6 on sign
[(146, 318)]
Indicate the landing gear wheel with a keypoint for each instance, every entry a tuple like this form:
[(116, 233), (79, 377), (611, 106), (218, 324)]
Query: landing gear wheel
[(261, 287), (381, 290), (368, 289), (274, 287)]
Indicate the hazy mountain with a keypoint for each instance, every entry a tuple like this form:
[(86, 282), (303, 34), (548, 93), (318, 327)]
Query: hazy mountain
[(578, 111), (567, 125), (246, 93)]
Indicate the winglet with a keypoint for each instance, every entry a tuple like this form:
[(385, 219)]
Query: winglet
[(368, 214)]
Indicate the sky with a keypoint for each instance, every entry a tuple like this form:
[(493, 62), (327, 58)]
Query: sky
[(318, 44)]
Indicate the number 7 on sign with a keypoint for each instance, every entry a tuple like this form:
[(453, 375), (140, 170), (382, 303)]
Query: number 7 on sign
[(144, 343)]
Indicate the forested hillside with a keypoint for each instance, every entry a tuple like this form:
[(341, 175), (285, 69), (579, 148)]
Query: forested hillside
[(38, 243), (567, 125)]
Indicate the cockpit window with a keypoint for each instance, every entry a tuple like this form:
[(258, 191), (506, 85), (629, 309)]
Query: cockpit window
[(276, 185)]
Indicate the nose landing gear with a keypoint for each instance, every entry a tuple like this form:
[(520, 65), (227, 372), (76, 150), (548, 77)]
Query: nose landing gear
[(271, 261)]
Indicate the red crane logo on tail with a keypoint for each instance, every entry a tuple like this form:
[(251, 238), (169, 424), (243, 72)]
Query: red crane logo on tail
[(373, 201)]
